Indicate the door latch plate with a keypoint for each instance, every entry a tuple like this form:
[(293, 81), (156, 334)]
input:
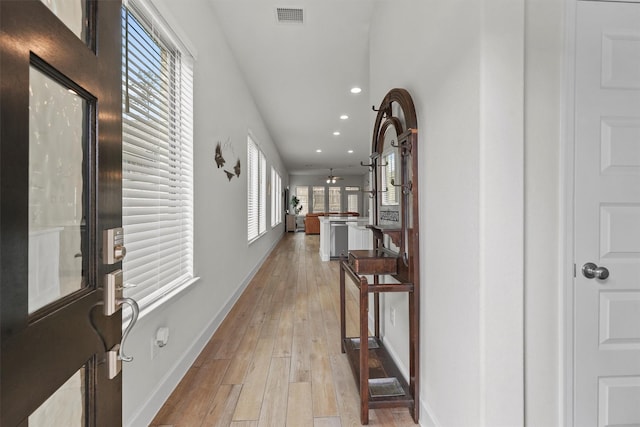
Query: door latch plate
[(114, 364)]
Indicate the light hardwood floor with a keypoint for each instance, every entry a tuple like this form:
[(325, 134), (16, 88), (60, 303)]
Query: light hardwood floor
[(276, 359)]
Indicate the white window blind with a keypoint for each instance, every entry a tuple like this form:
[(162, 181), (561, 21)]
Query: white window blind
[(256, 191), (303, 196), (353, 198), (157, 160), (352, 202), (390, 195), (318, 200), (335, 204), (276, 198)]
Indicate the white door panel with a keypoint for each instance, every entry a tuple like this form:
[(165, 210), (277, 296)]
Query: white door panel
[(607, 214)]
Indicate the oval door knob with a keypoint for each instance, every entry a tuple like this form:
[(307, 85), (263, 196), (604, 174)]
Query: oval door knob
[(591, 271)]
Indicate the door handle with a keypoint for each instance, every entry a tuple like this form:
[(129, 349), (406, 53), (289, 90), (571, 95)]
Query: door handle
[(112, 301), (135, 310), (116, 355), (592, 271)]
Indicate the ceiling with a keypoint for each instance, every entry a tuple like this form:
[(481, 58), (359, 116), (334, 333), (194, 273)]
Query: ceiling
[(300, 75)]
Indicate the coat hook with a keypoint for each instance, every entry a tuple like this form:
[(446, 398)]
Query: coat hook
[(371, 193), (406, 188), (370, 166), (404, 145)]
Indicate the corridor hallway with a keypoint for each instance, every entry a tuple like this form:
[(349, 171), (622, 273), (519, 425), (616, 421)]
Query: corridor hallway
[(276, 360)]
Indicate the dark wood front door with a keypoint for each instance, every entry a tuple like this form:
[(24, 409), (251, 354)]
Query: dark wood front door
[(60, 188)]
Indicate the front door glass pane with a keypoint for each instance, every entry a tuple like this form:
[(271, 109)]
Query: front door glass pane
[(57, 191), (73, 13), (66, 407)]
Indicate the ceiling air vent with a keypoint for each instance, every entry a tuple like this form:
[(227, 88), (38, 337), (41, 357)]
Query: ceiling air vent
[(287, 15)]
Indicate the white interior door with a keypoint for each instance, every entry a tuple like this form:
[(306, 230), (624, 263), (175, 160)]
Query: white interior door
[(607, 215)]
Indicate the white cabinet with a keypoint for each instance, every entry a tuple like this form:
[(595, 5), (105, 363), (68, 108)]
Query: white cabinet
[(291, 223), (360, 237)]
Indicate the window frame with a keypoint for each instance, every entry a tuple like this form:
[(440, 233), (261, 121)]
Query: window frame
[(331, 196), (304, 199), (276, 198), (390, 195), (173, 178), (256, 187), (313, 198)]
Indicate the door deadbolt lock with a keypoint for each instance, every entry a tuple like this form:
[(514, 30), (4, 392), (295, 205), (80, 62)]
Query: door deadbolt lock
[(113, 248), (592, 271)]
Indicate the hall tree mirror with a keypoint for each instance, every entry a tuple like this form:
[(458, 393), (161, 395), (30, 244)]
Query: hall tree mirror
[(393, 264), (389, 177)]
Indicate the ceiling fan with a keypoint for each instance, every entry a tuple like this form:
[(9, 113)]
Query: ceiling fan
[(331, 178)]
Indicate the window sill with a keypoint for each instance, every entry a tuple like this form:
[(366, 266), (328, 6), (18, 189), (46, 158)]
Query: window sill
[(148, 305), (256, 238)]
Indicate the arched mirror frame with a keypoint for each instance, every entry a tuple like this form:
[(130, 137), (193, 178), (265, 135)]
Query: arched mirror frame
[(398, 112)]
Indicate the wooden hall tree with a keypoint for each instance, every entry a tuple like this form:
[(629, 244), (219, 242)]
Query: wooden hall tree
[(393, 263)]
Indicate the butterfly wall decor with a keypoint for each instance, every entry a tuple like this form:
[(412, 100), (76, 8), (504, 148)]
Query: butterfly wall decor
[(236, 171), (220, 161), (218, 156)]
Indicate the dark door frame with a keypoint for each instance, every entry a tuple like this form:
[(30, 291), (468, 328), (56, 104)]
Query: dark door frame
[(39, 352)]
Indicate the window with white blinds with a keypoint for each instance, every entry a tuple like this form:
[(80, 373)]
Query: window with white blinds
[(256, 191), (352, 202), (318, 200), (389, 195), (157, 159), (276, 198), (335, 199), (302, 192)]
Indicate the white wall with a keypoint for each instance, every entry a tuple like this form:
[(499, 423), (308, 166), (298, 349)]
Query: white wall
[(224, 111), (437, 60), (440, 57), (486, 80), (543, 283)]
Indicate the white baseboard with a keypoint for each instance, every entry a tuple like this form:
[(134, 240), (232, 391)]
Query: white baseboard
[(159, 396), (427, 417)]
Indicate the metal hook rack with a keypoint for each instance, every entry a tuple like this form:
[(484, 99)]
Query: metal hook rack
[(370, 193), (384, 112), (370, 166), (404, 145), (406, 188)]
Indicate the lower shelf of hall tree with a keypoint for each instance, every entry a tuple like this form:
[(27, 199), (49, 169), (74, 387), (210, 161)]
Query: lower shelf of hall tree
[(387, 386)]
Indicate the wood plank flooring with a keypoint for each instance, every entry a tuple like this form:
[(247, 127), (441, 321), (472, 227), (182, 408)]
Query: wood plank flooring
[(276, 359)]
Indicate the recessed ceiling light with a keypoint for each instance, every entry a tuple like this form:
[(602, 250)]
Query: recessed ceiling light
[(336, 133), (318, 151), (350, 151), (344, 117), (356, 90)]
